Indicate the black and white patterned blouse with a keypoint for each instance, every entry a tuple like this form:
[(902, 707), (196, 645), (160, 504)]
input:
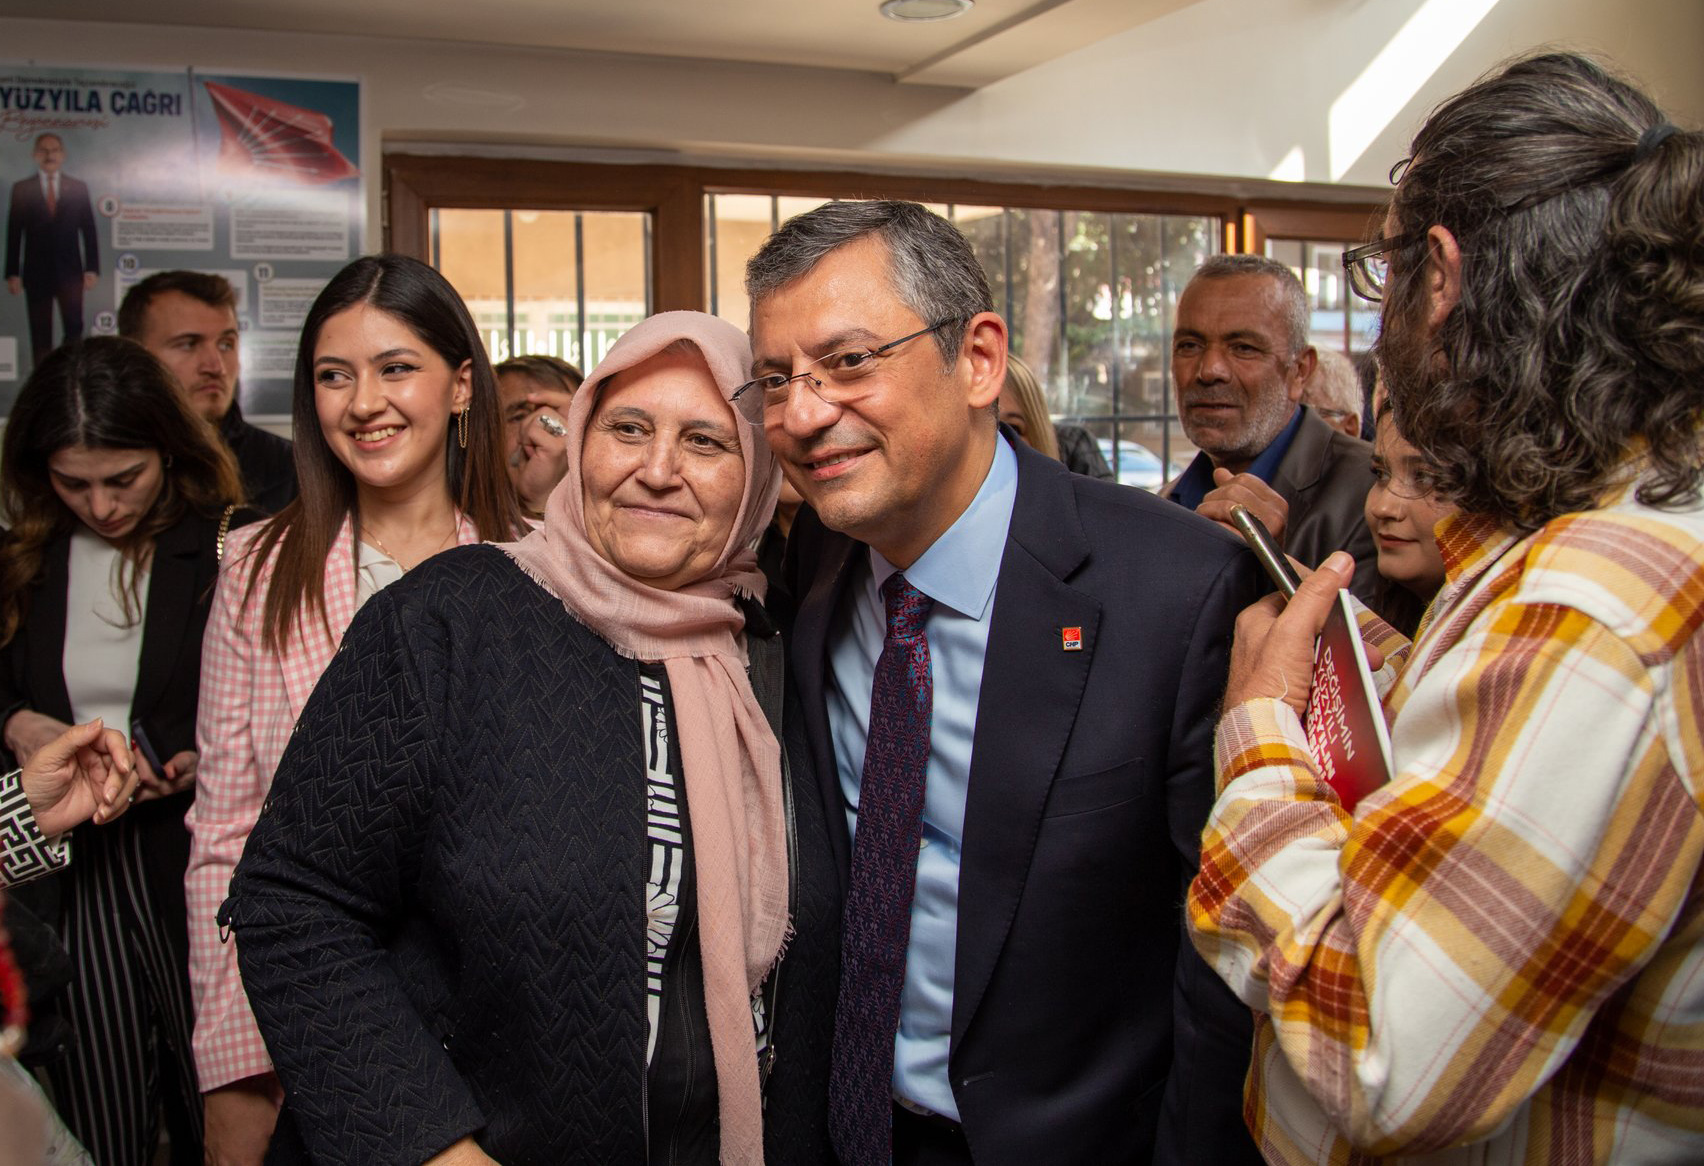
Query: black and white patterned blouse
[(667, 845), (25, 853), (665, 818)]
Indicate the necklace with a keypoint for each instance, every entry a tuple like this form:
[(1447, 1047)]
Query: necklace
[(397, 559)]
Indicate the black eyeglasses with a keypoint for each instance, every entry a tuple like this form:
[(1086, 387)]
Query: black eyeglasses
[(1368, 268), (844, 370)]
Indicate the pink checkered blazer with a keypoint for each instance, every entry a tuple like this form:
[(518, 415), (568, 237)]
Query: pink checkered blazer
[(250, 699)]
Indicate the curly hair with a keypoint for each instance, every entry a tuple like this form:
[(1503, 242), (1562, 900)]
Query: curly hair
[(101, 393), (1578, 339)]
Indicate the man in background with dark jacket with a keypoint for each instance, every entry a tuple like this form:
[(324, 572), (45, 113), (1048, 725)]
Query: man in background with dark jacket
[(189, 320), (1240, 361)]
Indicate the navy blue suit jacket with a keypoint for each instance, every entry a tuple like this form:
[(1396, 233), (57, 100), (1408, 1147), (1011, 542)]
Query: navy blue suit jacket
[(1085, 1027), (42, 249)]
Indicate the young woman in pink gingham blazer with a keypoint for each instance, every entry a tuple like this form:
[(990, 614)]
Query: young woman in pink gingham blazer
[(398, 438)]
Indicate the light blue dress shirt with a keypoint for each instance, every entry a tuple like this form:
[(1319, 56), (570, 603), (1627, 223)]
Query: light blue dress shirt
[(959, 572)]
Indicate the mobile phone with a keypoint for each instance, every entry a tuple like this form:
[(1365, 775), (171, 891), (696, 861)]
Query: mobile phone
[(139, 738), (1266, 549)]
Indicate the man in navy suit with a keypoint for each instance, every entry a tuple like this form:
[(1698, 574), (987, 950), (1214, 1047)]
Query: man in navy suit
[(1077, 642), (51, 252)]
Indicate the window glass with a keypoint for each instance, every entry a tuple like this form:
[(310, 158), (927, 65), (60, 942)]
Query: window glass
[(562, 283), (1339, 319), (467, 246), (1089, 299)]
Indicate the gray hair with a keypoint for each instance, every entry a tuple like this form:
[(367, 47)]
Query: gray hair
[(1335, 384), (1295, 299), (933, 267)]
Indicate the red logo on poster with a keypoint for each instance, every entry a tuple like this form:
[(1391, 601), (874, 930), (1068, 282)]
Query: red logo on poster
[(263, 135)]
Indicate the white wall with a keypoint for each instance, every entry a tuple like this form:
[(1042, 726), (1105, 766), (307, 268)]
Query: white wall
[(1235, 89), (1227, 87)]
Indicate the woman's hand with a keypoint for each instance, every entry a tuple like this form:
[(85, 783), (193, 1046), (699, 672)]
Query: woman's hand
[(464, 1153), (239, 1120), (27, 730), (544, 457), (85, 772), (179, 775)]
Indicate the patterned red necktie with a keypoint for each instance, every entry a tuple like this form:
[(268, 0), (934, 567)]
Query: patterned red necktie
[(877, 925)]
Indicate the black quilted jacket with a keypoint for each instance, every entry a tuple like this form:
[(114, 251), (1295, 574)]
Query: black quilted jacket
[(440, 912)]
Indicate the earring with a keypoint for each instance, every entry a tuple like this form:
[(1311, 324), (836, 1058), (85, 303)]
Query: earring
[(461, 428), (168, 461)]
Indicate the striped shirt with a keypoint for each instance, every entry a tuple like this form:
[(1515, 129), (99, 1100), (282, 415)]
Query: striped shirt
[(1499, 957), (667, 847), (666, 829)]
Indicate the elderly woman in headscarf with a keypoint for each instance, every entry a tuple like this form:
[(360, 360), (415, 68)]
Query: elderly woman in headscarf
[(528, 868)]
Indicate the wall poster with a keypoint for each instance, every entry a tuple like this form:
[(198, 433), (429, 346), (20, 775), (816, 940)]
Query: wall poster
[(110, 175)]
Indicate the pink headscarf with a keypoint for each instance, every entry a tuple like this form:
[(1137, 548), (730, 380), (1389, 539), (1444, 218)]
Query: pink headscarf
[(732, 759)]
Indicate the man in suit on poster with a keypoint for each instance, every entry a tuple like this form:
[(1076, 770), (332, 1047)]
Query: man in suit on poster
[(1010, 675), (51, 252)]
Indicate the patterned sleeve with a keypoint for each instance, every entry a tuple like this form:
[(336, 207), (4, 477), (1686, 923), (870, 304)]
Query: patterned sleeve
[(228, 798), (25, 852), (1390, 643), (1428, 963)]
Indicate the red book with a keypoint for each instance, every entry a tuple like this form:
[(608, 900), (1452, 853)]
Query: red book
[(1345, 722)]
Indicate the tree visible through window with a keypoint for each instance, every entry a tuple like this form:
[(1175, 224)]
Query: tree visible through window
[(1089, 296)]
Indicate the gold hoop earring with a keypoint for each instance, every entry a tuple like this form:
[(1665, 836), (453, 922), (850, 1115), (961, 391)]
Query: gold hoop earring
[(461, 428)]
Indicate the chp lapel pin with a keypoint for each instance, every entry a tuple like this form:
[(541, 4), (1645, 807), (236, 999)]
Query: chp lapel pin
[(1071, 639)]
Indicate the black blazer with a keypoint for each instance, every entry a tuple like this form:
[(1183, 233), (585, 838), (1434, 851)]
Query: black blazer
[(1091, 777), (1325, 476), (168, 680), (43, 249), (440, 913), (267, 461)]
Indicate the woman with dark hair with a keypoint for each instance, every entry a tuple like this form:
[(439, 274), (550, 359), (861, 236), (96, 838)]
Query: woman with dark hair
[(398, 445), (120, 499), (541, 923), (1403, 514)]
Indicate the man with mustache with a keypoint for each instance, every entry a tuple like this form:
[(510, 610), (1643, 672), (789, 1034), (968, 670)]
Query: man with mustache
[(1240, 360), (189, 320)]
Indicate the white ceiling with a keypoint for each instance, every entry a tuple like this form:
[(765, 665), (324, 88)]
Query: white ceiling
[(996, 39)]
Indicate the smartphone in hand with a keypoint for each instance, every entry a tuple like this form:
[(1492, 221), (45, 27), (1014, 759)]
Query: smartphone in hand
[(139, 739), (1266, 549)]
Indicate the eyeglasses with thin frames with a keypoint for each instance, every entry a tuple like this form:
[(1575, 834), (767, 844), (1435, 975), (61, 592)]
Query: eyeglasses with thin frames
[(1368, 267), (844, 371)]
